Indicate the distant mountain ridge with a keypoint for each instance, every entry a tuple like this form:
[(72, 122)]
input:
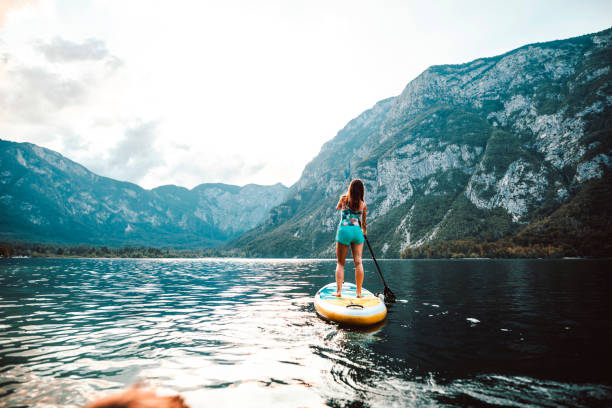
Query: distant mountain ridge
[(472, 151), (47, 197)]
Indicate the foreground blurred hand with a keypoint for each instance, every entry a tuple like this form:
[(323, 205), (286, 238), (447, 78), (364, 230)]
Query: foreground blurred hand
[(137, 397)]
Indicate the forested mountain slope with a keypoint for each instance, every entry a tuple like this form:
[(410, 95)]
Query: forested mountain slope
[(474, 151)]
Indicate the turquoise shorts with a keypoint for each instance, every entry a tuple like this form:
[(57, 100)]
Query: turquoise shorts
[(351, 234)]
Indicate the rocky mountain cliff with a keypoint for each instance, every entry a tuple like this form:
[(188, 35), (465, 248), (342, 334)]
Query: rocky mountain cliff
[(479, 150), (47, 197)]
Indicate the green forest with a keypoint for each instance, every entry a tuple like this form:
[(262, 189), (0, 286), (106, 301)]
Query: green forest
[(580, 228), (47, 250)]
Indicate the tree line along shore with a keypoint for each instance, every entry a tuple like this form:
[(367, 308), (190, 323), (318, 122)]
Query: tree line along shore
[(49, 250), (499, 249), (440, 250)]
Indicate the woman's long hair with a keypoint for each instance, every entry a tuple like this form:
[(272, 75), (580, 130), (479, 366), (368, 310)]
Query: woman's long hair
[(355, 194)]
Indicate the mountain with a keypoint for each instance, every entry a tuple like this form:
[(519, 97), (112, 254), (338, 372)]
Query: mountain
[(478, 151), (47, 197)]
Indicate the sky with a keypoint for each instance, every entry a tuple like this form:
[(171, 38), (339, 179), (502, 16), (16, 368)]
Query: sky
[(235, 91)]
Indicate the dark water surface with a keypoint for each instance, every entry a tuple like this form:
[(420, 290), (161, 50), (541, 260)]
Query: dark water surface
[(244, 332)]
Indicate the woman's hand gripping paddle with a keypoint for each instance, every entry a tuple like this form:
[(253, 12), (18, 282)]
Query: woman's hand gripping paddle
[(389, 296)]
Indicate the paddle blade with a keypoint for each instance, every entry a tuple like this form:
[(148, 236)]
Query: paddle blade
[(389, 296)]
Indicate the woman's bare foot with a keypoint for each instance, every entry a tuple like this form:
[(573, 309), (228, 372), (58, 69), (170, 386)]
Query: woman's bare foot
[(359, 295), (338, 294)]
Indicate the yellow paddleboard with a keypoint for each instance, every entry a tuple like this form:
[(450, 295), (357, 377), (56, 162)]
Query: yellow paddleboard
[(349, 309)]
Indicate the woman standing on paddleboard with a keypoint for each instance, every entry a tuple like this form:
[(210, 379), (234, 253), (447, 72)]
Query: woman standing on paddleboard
[(351, 232)]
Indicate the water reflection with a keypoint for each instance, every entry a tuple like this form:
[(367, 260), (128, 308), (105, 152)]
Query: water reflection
[(226, 332)]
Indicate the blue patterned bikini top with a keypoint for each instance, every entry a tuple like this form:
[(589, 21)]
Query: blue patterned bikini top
[(349, 217)]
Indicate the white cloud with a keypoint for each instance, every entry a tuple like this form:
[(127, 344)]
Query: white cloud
[(34, 94), (136, 155), (61, 50), (51, 102)]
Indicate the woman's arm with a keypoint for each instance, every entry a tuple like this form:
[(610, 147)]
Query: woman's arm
[(341, 202), (364, 226)]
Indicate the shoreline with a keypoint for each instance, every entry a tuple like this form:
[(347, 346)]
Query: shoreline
[(53, 256), (452, 250)]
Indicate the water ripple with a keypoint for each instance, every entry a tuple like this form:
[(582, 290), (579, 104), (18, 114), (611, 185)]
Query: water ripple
[(244, 332)]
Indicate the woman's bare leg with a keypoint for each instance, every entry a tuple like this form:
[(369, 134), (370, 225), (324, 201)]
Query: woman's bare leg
[(341, 251), (357, 250)]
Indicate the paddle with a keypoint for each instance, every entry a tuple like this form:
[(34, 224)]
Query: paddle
[(389, 296)]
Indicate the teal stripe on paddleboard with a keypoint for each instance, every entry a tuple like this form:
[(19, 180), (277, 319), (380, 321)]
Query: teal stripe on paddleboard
[(348, 290)]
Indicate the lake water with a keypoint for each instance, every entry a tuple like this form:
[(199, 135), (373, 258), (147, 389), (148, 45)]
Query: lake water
[(227, 333)]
